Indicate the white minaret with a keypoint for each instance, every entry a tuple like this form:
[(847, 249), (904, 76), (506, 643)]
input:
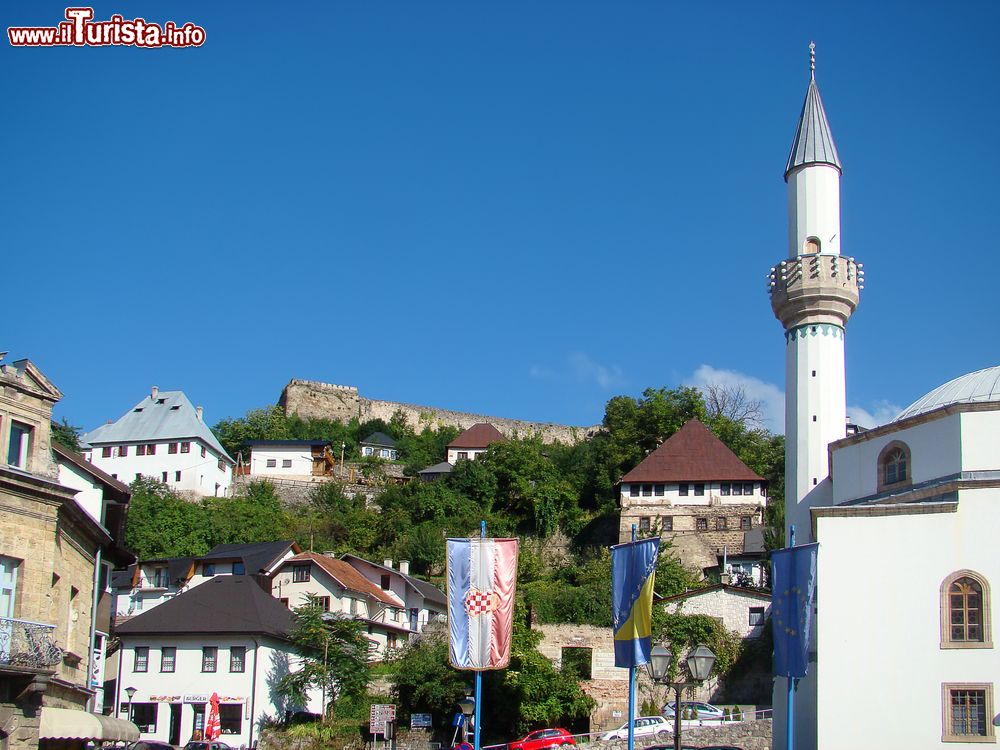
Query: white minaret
[(813, 293)]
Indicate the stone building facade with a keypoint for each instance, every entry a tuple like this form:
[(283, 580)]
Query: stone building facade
[(312, 399), (49, 546), (696, 493)]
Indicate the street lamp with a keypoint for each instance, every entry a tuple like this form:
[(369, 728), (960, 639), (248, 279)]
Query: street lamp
[(468, 706), (699, 663), (130, 692)]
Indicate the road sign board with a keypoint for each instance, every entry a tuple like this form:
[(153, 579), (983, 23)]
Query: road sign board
[(381, 714)]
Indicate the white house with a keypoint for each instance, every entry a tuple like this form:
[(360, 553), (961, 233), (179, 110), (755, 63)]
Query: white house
[(422, 601), (163, 437), (149, 583), (229, 637), (380, 445), (340, 588), (288, 458), (473, 442)]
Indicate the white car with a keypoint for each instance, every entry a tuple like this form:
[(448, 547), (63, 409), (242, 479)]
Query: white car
[(644, 727)]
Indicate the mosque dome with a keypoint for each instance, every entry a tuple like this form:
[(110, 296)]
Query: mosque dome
[(977, 387)]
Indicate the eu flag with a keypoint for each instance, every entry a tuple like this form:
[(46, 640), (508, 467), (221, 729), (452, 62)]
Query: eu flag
[(633, 566), (793, 584)]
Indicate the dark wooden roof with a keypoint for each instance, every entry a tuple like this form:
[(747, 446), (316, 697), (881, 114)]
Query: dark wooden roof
[(478, 436), (226, 604), (692, 454)]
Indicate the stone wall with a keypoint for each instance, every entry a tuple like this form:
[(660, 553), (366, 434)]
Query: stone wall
[(312, 399)]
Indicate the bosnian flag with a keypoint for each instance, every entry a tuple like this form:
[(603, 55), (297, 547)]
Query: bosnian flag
[(482, 574)]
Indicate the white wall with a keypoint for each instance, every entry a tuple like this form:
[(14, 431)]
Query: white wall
[(299, 458), (90, 492), (472, 453), (732, 606), (935, 451), (814, 209), (198, 474), (671, 494), (980, 448), (879, 623)]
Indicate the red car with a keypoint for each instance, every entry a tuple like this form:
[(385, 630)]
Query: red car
[(542, 739)]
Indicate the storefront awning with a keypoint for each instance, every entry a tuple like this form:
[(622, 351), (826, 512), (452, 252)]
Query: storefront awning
[(67, 724)]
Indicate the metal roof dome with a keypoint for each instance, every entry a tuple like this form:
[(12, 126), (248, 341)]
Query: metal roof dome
[(981, 386)]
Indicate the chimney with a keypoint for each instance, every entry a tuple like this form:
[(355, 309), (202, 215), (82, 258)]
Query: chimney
[(153, 392), (198, 410), (404, 567), (387, 562), (331, 553)]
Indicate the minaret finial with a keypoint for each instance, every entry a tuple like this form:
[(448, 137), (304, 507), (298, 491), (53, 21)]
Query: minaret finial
[(812, 60)]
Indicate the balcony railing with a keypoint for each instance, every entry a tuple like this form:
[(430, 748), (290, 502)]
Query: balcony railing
[(27, 644)]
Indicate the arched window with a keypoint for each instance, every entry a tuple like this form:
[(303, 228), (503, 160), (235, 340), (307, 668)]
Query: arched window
[(965, 611), (811, 246), (894, 469)]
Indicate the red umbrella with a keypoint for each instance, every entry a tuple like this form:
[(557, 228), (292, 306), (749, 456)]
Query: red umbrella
[(212, 727)]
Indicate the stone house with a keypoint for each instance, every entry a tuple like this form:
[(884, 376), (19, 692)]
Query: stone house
[(162, 437), (380, 445), (697, 494), (743, 611), (53, 551)]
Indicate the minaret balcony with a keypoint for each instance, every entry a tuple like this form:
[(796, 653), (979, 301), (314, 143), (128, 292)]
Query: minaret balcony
[(815, 288)]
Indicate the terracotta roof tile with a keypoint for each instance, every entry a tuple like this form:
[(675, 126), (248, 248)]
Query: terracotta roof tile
[(692, 454), (348, 577), (478, 436)]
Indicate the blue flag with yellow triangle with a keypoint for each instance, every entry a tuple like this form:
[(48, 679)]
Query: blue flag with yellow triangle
[(793, 581), (633, 568)]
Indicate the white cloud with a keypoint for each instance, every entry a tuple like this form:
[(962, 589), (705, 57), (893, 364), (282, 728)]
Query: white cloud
[(541, 372), (882, 411), (586, 369), (771, 397)]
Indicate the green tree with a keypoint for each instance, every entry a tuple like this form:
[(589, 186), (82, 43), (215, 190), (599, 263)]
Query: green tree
[(334, 653), (253, 515), (268, 423), (424, 682), (161, 524), (66, 434)]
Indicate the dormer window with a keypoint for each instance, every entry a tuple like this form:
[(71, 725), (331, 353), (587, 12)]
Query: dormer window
[(17, 447), (894, 465)]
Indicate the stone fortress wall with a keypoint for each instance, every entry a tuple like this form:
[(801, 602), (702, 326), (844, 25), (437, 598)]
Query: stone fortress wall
[(312, 399)]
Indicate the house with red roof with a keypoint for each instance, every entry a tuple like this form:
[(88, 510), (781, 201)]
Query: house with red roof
[(696, 493), (473, 442)]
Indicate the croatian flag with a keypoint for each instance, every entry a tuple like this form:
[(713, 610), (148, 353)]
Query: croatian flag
[(482, 574)]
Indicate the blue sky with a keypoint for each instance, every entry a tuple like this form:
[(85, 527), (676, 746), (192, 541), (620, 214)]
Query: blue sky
[(518, 208)]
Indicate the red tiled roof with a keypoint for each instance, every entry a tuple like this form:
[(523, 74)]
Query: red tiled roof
[(692, 454), (478, 436), (347, 576)]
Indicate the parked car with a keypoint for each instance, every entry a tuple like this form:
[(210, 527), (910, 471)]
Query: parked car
[(706, 711), (644, 727), (205, 745), (542, 739), (150, 745)]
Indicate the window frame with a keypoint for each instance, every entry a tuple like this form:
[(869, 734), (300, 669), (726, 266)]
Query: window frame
[(889, 450), (645, 523), (209, 659), (240, 661), (947, 735), (721, 523), (746, 523), (163, 659), (185, 446), (171, 448), (301, 573), (699, 489), (986, 624), (666, 523), (701, 523), (756, 616), (144, 650)]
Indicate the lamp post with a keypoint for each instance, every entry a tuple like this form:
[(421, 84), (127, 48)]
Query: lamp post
[(130, 692), (468, 706), (699, 664), (343, 447)]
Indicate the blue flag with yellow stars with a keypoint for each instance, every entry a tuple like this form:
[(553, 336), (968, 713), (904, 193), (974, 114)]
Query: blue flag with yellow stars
[(633, 568), (793, 583)]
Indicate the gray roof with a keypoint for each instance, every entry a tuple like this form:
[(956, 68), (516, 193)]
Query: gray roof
[(256, 556), (442, 468), (982, 386), (226, 604), (813, 142), (380, 439), (168, 416)]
